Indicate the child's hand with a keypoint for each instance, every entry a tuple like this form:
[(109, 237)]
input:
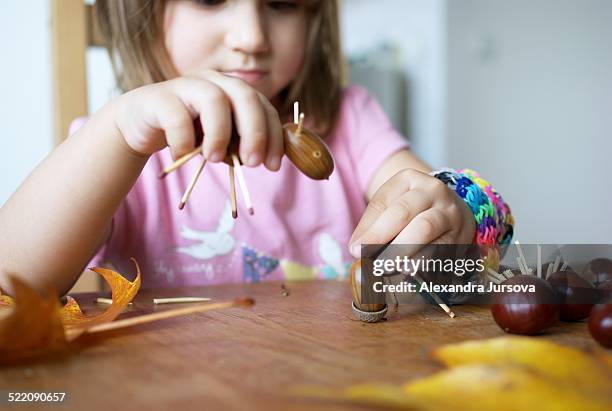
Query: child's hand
[(159, 115), (414, 208)]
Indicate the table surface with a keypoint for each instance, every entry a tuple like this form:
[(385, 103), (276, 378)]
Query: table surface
[(253, 358)]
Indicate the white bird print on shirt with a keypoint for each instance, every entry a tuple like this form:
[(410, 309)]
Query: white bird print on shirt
[(213, 243)]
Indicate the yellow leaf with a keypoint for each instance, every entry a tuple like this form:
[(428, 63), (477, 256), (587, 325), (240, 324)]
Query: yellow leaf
[(569, 365), (501, 374), (507, 388)]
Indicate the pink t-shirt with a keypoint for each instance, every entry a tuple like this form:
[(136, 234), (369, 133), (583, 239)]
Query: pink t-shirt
[(300, 228)]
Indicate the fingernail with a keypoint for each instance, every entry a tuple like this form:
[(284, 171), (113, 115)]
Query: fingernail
[(275, 163), (215, 156), (253, 160), (355, 250)]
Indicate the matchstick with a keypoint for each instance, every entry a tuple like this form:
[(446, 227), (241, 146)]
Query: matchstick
[(242, 184), (296, 112), (161, 315), (180, 162), (437, 299), (563, 267), (493, 279), (508, 274), (192, 184), (179, 300), (233, 192)]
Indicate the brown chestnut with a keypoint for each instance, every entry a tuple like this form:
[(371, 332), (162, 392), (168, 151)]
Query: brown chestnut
[(551, 264), (605, 291), (600, 324), (597, 271), (577, 296), (308, 152), (523, 312)]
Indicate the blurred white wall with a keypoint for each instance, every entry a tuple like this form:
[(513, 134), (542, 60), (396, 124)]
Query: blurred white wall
[(530, 108), (25, 90), (416, 28)]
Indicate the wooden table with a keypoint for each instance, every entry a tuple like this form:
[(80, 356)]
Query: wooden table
[(251, 358)]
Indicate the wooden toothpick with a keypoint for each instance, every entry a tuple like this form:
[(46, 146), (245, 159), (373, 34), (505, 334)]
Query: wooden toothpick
[(180, 162), (194, 179), (436, 298), (522, 256), (108, 301), (179, 300), (539, 263), (300, 124), (499, 277), (242, 184), (233, 192)]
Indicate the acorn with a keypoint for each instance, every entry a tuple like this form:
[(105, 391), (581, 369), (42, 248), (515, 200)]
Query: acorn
[(370, 313), (308, 151)]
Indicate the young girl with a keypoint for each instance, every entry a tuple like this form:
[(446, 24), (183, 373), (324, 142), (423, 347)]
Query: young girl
[(98, 192)]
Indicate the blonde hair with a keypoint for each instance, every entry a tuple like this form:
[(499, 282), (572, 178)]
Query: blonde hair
[(133, 34)]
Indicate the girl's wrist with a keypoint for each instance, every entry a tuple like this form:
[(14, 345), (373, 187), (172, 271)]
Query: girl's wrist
[(113, 110), (494, 220)]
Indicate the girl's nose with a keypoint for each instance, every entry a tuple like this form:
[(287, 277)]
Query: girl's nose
[(247, 32)]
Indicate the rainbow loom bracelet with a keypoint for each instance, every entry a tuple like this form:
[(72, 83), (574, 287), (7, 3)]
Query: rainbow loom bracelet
[(494, 221)]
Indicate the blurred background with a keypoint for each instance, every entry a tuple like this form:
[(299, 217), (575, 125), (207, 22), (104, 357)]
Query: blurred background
[(519, 90)]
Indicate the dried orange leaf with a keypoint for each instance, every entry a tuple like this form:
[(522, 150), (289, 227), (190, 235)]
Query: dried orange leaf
[(123, 292), (31, 325)]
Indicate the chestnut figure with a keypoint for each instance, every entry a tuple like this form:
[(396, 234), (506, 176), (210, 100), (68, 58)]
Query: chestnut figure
[(526, 313), (551, 264), (308, 152), (597, 271), (605, 291), (600, 324), (364, 312), (577, 296)]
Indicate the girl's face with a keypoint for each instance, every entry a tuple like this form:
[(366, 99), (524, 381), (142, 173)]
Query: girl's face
[(259, 41)]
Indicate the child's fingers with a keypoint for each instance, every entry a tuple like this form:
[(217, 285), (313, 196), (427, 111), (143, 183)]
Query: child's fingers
[(393, 219), (392, 189), (174, 119), (213, 106), (424, 228), (276, 144), (249, 117)]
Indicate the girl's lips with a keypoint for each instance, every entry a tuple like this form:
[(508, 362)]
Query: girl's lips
[(250, 76)]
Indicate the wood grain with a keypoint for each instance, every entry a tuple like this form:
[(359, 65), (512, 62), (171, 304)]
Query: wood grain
[(251, 358)]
